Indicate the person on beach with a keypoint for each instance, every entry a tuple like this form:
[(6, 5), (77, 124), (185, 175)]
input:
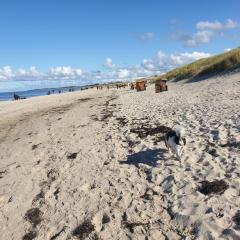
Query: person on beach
[(16, 97)]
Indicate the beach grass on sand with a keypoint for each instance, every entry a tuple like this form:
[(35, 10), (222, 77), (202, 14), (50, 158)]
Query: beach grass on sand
[(93, 165), (205, 67)]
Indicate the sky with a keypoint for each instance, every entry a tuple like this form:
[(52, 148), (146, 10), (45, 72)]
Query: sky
[(76, 42)]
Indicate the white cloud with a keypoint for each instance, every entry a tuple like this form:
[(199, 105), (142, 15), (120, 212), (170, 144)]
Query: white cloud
[(123, 73), (203, 36), (33, 71), (145, 36), (60, 73), (231, 24), (162, 62), (161, 58), (184, 58), (63, 72), (6, 72), (227, 49), (205, 25), (148, 64), (199, 37), (209, 25), (108, 63), (206, 31)]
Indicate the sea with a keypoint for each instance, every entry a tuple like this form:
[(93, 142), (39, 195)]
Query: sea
[(6, 96)]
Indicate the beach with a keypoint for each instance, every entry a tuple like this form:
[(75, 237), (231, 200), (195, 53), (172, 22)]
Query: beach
[(93, 164)]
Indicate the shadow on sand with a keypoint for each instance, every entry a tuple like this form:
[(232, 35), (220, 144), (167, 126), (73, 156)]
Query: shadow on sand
[(148, 157)]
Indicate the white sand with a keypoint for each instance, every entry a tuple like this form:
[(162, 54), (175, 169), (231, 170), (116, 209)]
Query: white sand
[(119, 185)]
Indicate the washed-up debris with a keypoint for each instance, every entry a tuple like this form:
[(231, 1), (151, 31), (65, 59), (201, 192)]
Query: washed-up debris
[(2, 173), (34, 146), (106, 115), (212, 151), (83, 230), (216, 187), (84, 99), (236, 219), (40, 196), (34, 216), (72, 155), (122, 121), (231, 144), (144, 131), (30, 235), (58, 234), (131, 225)]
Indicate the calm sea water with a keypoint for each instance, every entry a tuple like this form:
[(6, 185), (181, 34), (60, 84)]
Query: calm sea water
[(5, 96)]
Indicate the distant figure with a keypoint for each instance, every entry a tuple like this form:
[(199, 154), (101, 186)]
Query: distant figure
[(69, 90), (108, 87), (72, 89), (52, 91), (59, 91), (49, 93), (16, 97)]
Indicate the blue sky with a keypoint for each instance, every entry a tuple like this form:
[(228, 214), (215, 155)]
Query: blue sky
[(69, 41)]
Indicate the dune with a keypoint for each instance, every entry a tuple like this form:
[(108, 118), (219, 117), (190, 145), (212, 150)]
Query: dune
[(93, 165)]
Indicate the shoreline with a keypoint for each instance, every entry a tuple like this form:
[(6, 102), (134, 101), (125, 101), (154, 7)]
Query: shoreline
[(8, 96)]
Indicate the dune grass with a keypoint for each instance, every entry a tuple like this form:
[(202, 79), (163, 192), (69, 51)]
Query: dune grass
[(223, 62)]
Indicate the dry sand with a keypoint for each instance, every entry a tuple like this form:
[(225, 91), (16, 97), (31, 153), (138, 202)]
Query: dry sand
[(92, 164)]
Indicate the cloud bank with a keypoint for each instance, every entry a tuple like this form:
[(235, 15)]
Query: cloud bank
[(66, 75), (163, 62), (206, 31)]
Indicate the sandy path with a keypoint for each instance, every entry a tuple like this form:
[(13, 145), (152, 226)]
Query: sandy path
[(60, 173)]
